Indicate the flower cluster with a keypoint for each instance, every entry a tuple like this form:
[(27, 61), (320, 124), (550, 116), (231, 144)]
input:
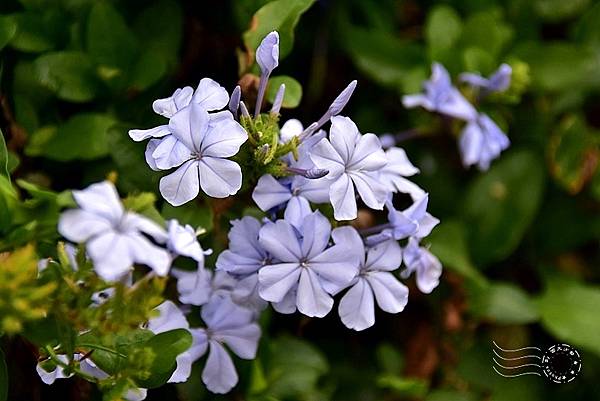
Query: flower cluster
[(481, 140), (304, 251)]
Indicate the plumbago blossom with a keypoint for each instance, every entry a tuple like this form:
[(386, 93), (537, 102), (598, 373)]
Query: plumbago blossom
[(481, 140), (292, 259)]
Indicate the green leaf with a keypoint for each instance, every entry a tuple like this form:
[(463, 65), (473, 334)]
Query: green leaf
[(293, 91), (500, 205), (110, 42), (191, 214), (383, 57), (69, 74), (160, 27), (557, 10), (281, 16), (448, 242), (83, 137), (550, 72), (403, 386), (503, 303), (38, 31), (129, 158), (294, 368), (587, 29), (569, 311), (442, 30), (3, 157), (3, 377), (573, 154), (166, 346), (8, 29), (486, 30)]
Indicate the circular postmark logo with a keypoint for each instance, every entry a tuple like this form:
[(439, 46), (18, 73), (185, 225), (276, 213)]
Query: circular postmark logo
[(561, 363)]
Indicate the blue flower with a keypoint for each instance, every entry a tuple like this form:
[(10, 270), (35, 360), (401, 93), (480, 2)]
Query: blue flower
[(308, 271), (499, 81), (227, 324), (357, 307), (200, 286), (441, 97), (201, 144), (352, 160), (170, 317), (182, 240), (482, 141), (424, 264), (114, 238), (267, 53), (411, 222), (393, 174), (243, 259), (270, 193)]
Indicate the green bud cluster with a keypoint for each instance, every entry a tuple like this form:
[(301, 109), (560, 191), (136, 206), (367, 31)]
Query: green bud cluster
[(23, 298), (262, 152)]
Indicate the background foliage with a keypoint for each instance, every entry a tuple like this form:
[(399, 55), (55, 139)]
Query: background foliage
[(519, 243)]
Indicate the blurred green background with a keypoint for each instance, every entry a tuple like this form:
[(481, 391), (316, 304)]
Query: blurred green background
[(519, 243)]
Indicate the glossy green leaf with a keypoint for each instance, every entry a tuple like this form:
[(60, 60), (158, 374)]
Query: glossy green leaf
[(110, 42), (294, 368), (500, 205), (486, 30), (448, 242), (166, 346), (83, 137), (503, 303), (8, 29), (293, 90), (549, 70), (569, 311), (557, 10), (442, 30), (279, 15), (38, 31), (382, 56), (69, 74)]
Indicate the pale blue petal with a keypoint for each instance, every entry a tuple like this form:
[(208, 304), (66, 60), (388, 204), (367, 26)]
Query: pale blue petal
[(182, 185), (357, 307), (343, 199), (170, 152), (168, 106), (169, 318), (210, 95), (391, 294), (311, 299), (150, 148), (385, 256), (79, 226), (243, 340), (156, 132), (324, 156), (269, 193), (219, 373), (348, 237), (296, 210), (276, 280), (194, 287), (343, 136), (281, 241), (145, 252), (336, 267), (223, 137), (219, 178), (101, 199), (111, 255), (372, 192), (315, 232), (367, 154), (189, 125)]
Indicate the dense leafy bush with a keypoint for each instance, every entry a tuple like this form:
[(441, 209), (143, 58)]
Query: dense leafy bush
[(495, 103)]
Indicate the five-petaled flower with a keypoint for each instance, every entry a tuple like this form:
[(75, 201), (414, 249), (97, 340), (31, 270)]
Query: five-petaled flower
[(115, 239), (308, 272), (352, 160)]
